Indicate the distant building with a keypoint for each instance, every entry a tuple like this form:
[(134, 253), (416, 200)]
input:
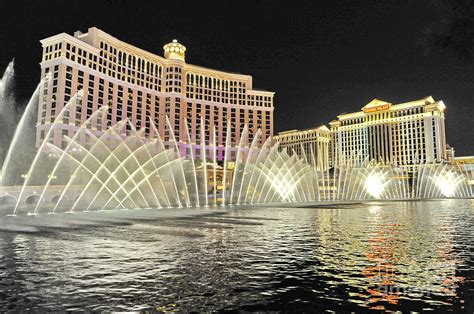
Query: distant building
[(400, 134), (449, 154), (311, 144), (467, 164), (145, 88)]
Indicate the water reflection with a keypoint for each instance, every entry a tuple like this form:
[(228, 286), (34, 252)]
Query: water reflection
[(402, 254), (392, 256)]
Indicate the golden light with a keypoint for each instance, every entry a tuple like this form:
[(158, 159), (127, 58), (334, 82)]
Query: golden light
[(174, 50), (374, 184), (447, 183)]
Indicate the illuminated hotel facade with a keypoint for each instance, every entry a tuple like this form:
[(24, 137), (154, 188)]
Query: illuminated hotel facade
[(403, 135), (399, 134), (466, 163), (145, 89), (310, 144)]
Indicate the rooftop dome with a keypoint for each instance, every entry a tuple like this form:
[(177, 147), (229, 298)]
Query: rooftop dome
[(174, 50)]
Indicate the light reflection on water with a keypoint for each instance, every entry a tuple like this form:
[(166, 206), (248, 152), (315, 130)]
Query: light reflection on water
[(396, 256)]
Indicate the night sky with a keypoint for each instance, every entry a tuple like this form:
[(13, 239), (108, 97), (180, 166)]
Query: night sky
[(321, 58)]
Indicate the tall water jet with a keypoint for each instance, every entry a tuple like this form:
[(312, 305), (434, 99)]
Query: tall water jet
[(21, 150), (119, 168), (214, 161), (7, 110), (64, 154), (193, 164), (251, 159), (33, 166), (447, 182), (226, 153), (204, 162)]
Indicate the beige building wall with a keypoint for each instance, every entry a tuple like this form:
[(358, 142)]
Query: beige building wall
[(466, 163), (400, 134), (145, 89), (310, 144)]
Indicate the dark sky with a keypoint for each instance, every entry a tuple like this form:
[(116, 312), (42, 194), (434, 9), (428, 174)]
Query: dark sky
[(322, 58)]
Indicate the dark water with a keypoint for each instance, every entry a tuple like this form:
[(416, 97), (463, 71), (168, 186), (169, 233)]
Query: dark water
[(395, 256)]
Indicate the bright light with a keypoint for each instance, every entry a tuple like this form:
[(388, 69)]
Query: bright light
[(286, 182), (447, 183), (374, 184), (441, 105), (284, 188)]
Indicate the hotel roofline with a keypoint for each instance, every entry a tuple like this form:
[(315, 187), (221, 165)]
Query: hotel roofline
[(307, 130), (144, 88), (82, 40), (387, 106)]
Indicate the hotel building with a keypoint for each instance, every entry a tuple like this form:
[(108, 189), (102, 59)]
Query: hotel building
[(466, 163), (400, 134), (311, 144), (145, 89)]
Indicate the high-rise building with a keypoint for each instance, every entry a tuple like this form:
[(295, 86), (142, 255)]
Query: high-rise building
[(145, 89), (310, 144), (400, 134)]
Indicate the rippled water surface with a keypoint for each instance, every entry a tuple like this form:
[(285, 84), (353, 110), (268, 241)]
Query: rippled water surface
[(396, 256)]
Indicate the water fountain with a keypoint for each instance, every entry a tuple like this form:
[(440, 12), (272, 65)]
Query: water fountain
[(123, 168), (7, 110)]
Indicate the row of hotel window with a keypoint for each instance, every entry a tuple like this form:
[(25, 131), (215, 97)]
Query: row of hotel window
[(218, 88), (400, 129), (414, 157), (196, 151), (80, 80), (90, 59), (130, 68), (384, 115), (129, 109), (300, 136), (144, 66)]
